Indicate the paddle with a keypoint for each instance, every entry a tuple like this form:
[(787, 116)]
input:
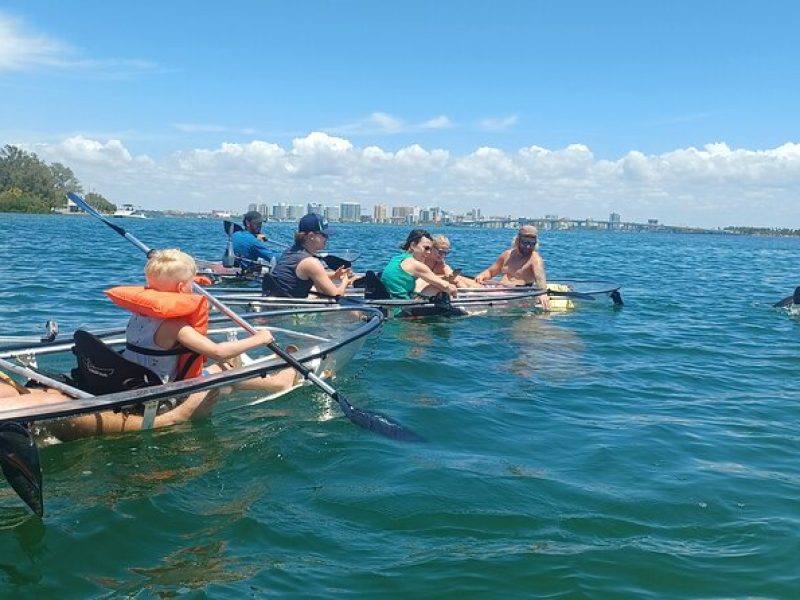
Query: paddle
[(19, 456), (331, 261), (789, 300), (229, 258), (368, 420), (19, 460)]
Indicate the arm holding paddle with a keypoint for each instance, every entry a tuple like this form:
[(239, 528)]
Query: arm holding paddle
[(192, 339)]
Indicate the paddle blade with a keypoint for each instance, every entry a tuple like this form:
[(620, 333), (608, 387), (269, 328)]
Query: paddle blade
[(229, 258), (376, 422), (789, 300), (231, 227), (335, 262), (51, 331), (19, 460), (345, 259)]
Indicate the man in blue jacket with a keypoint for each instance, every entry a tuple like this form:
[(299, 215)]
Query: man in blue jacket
[(248, 243)]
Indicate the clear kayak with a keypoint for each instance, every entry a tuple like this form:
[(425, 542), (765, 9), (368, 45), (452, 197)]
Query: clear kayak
[(495, 300), (345, 330)]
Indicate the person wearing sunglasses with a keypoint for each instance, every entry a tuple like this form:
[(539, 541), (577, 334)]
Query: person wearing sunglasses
[(436, 261), (520, 265), (400, 276), (298, 269)]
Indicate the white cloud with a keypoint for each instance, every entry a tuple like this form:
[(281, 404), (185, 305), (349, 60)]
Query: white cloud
[(440, 122), (386, 122), (211, 128), (381, 123), (499, 123), (79, 149), (22, 49), (710, 186)]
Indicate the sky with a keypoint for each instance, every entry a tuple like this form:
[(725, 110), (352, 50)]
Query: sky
[(685, 111)]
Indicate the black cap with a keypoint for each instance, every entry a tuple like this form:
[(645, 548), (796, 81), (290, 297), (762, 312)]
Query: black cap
[(315, 222), (252, 216)]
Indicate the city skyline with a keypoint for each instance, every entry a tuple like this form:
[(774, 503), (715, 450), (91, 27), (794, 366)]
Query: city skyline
[(351, 212), (619, 107)]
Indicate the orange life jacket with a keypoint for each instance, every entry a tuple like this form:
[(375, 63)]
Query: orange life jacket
[(192, 308)]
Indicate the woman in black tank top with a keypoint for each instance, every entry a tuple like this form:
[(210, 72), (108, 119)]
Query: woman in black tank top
[(298, 269)]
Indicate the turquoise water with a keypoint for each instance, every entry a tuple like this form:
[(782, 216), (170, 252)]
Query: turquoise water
[(647, 452)]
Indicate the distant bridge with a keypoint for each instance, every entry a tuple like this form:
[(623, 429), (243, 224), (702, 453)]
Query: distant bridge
[(558, 224)]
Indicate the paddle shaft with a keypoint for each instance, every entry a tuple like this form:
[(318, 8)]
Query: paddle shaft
[(331, 260), (44, 380)]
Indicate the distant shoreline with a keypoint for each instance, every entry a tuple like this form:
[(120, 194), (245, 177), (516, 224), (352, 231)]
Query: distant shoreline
[(628, 228)]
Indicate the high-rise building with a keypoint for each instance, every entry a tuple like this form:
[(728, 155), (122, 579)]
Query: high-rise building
[(402, 211), (474, 214), (379, 213), (294, 212), (263, 209), (316, 208), (613, 221), (251, 207), (279, 211), (332, 214), (425, 216), (350, 212)]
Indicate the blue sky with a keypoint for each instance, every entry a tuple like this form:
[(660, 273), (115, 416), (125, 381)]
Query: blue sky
[(682, 111)]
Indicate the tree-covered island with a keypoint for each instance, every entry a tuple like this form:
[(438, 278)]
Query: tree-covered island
[(29, 185)]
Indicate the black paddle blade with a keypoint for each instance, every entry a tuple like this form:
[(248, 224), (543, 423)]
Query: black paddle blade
[(377, 422), (19, 460), (616, 298), (335, 262), (231, 227), (789, 300)]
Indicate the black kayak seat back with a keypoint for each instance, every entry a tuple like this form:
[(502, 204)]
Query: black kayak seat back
[(373, 287), (102, 370)]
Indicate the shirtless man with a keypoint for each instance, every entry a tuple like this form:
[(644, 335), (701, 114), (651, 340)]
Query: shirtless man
[(520, 265)]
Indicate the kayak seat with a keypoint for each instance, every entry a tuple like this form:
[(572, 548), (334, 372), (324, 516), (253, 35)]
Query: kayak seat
[(102, 370), (442, 307), (373, 287)]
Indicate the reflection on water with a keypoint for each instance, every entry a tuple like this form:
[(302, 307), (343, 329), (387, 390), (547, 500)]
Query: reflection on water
[(185, 569), (544, 348)]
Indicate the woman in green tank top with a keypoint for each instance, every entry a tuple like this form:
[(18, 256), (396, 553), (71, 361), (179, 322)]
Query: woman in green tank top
[(399, 277)]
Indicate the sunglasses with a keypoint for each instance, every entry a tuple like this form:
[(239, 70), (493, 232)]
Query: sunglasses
[(530, 239), (443, 252), (427, 248)]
